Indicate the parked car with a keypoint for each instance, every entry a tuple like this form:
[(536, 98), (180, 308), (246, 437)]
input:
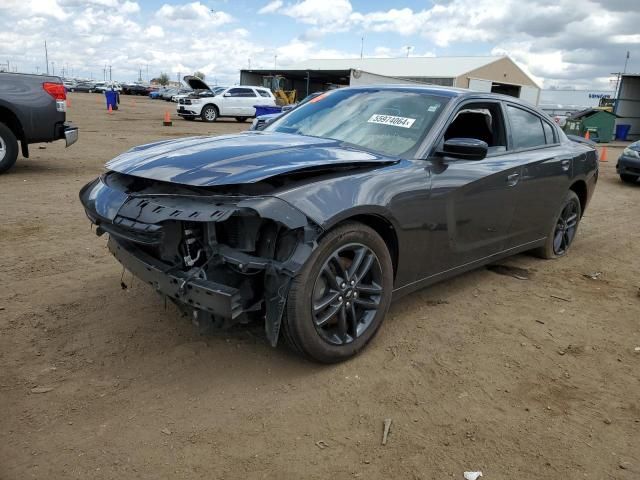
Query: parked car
[(69, 85), (362, 195), (87, 87), (237, 102), (135, 89), (261, 121), (32, 110), (182, 93), (102, 87), (168, 93), (157, 94), (628, 166)]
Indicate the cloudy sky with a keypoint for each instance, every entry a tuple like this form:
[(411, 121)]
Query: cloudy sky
[(575, 43)]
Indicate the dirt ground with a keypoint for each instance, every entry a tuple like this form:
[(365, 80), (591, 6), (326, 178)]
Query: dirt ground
[(521, 379)]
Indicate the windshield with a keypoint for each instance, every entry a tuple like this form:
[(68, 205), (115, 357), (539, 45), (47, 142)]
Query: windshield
[(388, 121)]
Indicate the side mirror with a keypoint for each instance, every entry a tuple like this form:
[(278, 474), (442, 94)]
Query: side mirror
[(465, 148)]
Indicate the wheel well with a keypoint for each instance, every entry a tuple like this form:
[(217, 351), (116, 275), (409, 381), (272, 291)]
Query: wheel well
[(385, 229), (212, 105), (580, 189), (10, 120)]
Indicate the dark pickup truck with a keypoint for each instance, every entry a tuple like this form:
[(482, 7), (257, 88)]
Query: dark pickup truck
[(32, 110)]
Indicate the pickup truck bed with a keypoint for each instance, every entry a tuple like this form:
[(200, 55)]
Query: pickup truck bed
[(32, 110)]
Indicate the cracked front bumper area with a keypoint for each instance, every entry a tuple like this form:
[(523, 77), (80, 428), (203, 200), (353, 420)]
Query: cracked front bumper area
[(214, 298), (223, 259)]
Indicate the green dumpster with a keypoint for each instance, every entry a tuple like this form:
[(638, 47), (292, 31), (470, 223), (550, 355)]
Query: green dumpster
[(599, 123)]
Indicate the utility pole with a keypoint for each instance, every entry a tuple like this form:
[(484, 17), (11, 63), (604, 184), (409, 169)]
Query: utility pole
[(37, 70), (361, 47), (53, 67), (275, 62), (46, 56), (147, 73), (110, 73), (408, 50)]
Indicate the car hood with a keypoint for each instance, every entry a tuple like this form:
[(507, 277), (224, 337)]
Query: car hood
[(196, 83), (233, 159)]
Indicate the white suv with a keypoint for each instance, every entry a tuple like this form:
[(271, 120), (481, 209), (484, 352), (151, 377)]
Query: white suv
[(210, 104)]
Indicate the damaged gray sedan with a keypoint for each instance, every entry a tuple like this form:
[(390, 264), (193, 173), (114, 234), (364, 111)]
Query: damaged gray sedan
[(363, 194)]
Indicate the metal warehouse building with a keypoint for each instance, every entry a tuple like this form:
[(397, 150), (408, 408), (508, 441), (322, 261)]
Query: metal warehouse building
[(627, 105), (486, 74)]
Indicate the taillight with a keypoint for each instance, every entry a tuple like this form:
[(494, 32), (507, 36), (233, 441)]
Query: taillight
[(56, 90)]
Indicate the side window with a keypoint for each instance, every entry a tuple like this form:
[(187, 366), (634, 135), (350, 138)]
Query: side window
[(482, 121), (548, 133), (526, 128), (263, 93), (241, 92)]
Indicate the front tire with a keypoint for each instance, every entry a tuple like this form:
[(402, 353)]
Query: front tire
[(8, 148), (626, 178), (209, 113), (564, 229), (338, 301), (241, 119)]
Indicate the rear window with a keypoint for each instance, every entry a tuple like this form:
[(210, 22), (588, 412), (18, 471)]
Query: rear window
[(388, 121), (264, 93), (526, 128)]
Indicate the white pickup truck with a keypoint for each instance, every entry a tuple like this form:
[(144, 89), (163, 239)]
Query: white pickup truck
[(210, 103)]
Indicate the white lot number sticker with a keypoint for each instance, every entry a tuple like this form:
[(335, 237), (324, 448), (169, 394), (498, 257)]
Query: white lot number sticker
[(391, 120)]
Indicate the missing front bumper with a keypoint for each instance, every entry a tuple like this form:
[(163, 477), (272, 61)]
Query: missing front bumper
[(219, 300)]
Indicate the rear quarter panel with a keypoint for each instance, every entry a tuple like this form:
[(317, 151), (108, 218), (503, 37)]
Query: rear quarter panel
[(35, 108)]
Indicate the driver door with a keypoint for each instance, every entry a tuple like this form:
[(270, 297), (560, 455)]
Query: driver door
[(474, 199)]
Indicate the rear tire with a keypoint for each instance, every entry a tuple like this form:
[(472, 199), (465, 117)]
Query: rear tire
[(209, 113), (241, 119), (8, 148), (626, 178), (333, 280), (564, 229)]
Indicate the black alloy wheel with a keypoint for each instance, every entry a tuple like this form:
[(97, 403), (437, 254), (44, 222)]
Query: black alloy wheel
[(566, 227), (563, 231), (347, 294), (341, 296)]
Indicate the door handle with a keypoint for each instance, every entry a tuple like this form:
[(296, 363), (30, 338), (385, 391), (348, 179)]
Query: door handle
[(512, 179), (565, 165)]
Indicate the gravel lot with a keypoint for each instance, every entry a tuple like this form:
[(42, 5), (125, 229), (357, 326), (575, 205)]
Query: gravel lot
[(521, 379)]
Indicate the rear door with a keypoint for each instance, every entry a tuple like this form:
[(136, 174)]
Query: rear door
[(545, 176), (238, 102)]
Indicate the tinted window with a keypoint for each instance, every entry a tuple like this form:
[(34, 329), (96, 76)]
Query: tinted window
[(263, 93), (526, 128), (548, 133), (242, 92), (389, 121)]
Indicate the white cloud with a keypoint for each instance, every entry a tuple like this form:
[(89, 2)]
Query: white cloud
[(130, 7), (193, 12), (271, 7)]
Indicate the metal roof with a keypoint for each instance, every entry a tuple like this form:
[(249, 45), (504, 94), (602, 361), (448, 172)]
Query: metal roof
[(434, 67)]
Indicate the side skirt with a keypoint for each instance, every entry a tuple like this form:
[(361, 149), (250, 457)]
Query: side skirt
[(455, 271)]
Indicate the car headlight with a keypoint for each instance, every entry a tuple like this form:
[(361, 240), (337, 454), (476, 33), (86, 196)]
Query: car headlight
[(631, 153), (195, 101), (254, 124)]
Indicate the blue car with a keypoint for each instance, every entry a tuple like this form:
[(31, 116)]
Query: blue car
[(261, 121), (628, 166)]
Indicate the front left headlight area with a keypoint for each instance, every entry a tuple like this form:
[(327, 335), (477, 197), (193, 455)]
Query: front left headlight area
[(628, 152), (223, 259)]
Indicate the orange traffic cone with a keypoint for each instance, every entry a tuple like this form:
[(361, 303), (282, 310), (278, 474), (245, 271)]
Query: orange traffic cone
[(603, 154), (587, 135), (167, 119), (110, 109)]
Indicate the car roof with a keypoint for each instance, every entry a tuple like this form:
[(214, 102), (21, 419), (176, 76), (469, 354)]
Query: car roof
[(450, 92)]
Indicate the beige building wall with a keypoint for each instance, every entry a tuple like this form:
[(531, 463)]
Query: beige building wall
[(503, 71)]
